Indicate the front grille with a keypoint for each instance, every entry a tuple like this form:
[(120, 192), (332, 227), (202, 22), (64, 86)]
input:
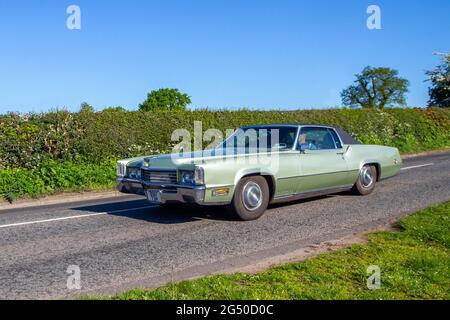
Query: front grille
[(159, 176)]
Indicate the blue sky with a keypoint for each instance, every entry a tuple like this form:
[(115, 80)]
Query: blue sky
[(224, 53)]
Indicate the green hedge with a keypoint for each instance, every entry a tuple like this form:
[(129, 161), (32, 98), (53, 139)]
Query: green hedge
[(56, 176), (60, 150)]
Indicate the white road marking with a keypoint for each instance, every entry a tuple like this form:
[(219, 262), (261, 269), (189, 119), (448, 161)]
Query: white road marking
[(418, 166), (71, 217)]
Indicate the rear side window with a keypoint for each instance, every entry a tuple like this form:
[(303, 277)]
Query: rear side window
[(337, 142), (346, 138)]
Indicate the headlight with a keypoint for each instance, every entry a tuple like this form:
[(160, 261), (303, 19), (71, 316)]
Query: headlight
[(199, 175), (134, 173), (187, 177), (120, 169), (195, 177)]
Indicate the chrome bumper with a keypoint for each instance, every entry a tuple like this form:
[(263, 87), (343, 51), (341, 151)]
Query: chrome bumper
[(177, 193), (125, 185), (168, 193)]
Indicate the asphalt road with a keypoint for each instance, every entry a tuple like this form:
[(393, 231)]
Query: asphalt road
[(125, 243)]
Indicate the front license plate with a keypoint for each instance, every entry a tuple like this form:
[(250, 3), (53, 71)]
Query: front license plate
[(153, 195)]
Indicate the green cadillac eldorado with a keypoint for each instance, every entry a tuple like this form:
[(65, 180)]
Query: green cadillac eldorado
[(259, 165)]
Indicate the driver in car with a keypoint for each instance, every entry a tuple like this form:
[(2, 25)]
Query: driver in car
[(302, 142)]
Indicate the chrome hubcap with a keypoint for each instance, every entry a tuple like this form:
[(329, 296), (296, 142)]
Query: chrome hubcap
[(366, 177), (252, 196)]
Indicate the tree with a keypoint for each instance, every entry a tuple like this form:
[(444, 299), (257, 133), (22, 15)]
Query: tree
[(86, 108), (376, 88), (114, 109), (440, 83), (165, 99)]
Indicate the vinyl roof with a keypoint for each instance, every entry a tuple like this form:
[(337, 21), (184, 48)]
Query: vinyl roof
[(286, 125)]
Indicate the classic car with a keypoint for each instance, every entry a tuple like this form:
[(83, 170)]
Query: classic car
[(259, 165)]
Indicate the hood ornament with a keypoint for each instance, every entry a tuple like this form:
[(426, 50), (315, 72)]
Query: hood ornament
[(147, 161)]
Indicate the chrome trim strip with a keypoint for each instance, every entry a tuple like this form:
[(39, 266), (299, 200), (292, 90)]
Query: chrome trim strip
[(309, 194), (221, 203), (151, 185), (318, 174), (294, 147), (159, 169), (128, 180)]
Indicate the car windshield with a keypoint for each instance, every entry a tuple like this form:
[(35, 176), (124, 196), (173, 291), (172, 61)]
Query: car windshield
[(262, 138)]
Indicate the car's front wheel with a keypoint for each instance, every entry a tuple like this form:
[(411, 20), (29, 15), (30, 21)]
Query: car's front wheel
[(367, 179), (251, 198)]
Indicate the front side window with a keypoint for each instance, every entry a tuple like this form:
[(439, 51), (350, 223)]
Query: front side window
[(316, 138)]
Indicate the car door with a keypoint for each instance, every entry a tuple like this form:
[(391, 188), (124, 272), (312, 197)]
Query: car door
[(321, 157)]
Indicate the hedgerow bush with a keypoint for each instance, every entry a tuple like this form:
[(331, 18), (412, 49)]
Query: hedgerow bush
[(54, 176), (61, 150)]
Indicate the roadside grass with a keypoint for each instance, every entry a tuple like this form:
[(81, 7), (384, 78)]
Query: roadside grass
[(414, 263)]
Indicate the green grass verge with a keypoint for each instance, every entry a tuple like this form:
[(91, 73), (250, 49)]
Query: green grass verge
[(414, 262)]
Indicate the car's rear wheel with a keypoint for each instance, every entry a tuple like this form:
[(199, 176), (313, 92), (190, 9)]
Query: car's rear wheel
[(251, 198), (367, 180)]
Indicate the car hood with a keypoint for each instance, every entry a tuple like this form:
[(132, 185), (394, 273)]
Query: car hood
[(176, 159), (192, 158)]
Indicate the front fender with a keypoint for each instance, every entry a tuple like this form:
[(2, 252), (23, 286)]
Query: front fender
[(250, 172)]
